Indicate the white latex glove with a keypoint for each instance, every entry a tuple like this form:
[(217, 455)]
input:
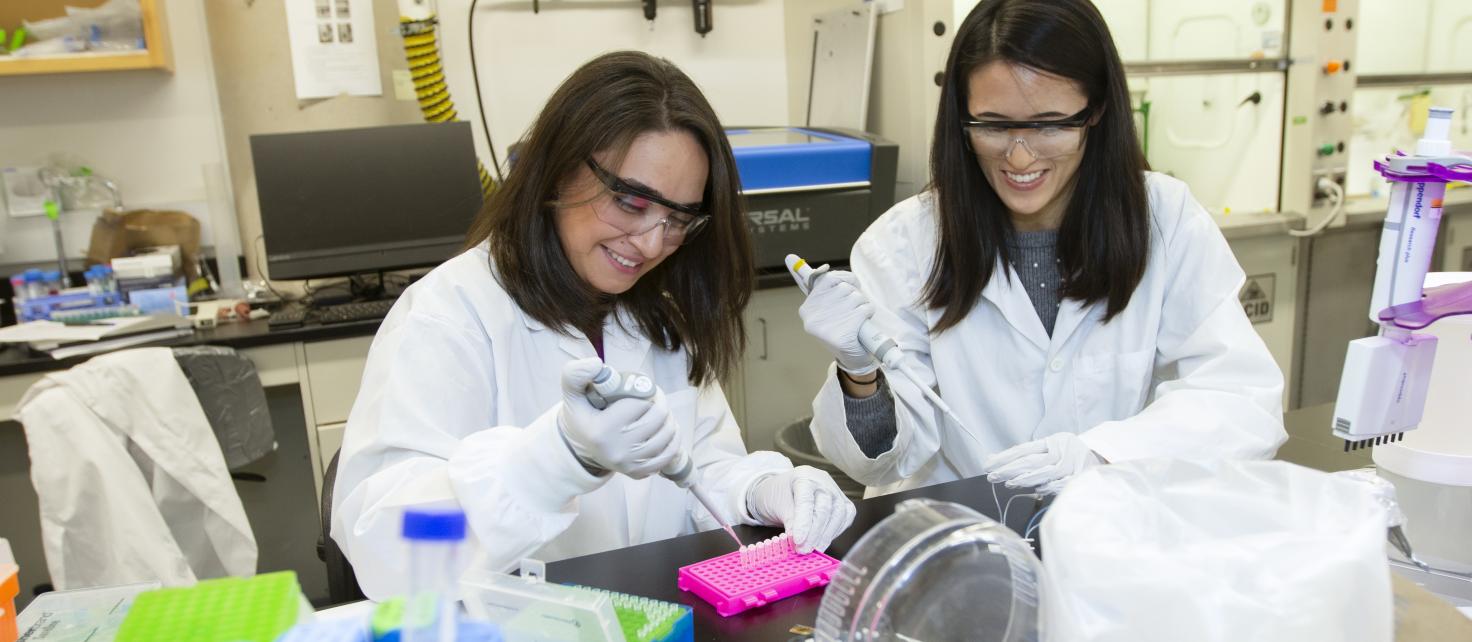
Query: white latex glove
[(635, 437), (806, 502), (1045, 463), (833, 312)]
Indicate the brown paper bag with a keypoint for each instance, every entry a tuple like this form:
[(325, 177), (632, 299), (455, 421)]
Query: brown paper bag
[(122, 232)]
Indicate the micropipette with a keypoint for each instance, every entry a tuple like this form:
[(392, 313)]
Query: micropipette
[(609, 386), (873, 340)]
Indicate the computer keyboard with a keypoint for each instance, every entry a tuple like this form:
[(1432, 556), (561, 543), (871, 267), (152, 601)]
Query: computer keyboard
[(356, 311), (287, 318)]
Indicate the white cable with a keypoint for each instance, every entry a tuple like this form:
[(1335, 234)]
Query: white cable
[(1336, 193)]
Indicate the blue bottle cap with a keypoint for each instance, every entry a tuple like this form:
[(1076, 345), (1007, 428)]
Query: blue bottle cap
[(53, 275), (440, 525), (33, 274)]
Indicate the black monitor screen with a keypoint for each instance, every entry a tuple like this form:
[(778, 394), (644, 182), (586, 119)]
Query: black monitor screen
[(362, 200)]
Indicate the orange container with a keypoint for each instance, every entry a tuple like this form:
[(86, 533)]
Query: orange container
[(9, 588)]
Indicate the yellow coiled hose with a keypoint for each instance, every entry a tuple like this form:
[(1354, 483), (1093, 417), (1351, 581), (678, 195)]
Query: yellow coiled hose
[(421, 48)]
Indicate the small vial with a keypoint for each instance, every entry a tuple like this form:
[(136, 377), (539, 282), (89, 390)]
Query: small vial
[(93, 275), (18, 290), (434, 538), (35, 284), (53, 282), (109, 280)]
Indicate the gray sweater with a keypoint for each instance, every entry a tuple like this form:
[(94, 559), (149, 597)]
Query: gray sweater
[(1035, 263)]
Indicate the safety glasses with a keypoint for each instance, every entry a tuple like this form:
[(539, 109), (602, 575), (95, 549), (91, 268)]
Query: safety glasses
[(1044, 139), (632, 210)]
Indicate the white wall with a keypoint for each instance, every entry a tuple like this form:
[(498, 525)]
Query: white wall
[(149, 131), (740, 64)]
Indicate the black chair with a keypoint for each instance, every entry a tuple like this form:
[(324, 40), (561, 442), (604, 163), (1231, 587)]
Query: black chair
[(342, 583)]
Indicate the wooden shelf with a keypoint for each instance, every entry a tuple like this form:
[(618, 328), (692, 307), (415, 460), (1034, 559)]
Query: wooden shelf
[(158, 55)]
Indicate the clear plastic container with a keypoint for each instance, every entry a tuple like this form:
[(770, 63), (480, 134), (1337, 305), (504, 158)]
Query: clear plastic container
[(935, 571), (434, 538)]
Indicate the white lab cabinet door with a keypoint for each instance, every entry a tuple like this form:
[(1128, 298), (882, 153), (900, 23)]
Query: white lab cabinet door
[(1269, 297), (782, 370)]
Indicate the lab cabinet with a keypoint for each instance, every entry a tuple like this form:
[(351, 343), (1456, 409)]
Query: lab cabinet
[(782, 370), (331, 372), (1269, 297)]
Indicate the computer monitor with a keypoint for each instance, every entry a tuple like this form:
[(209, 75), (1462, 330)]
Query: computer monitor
[(349, 201)]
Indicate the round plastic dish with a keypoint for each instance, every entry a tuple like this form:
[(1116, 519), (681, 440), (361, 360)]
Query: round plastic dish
[(934, 571)]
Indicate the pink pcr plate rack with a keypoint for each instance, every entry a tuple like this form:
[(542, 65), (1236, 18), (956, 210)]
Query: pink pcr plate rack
[(756, 576)]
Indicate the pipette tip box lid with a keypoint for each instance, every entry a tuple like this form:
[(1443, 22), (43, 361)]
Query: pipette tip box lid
[(756, 576)]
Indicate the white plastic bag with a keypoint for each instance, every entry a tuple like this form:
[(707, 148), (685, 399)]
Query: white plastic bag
[(1170, 550)]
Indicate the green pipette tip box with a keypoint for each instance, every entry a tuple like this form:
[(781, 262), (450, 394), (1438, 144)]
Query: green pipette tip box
[(648, 620), (257, 609)]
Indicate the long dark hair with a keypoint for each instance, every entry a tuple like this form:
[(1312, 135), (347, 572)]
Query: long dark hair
[(1104, 239), (694, 298)]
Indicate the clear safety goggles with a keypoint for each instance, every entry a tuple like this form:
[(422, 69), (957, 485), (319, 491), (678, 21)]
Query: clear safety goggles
[(1043, 139), (633, 211)]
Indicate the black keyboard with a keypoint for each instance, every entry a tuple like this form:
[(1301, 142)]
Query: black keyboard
[(287, 317), (356, 311)]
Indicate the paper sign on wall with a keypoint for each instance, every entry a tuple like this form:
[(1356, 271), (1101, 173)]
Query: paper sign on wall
[(334, 48)]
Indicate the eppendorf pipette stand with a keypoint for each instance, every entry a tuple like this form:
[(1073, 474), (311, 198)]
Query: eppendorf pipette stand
[(756, 575)]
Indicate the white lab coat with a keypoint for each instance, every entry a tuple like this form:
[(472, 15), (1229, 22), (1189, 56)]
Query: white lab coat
[(131, 480), (1178, 373), (458, 407)]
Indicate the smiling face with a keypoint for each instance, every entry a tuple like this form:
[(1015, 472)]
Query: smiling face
[(670, 164), (1034, 190)]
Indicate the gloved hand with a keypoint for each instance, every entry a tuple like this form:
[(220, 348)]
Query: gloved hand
[(807, 502), (635, 437), (833, 312), (1045, 463)]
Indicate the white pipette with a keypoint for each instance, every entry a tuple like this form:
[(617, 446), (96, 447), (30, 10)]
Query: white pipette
[(873, 339)]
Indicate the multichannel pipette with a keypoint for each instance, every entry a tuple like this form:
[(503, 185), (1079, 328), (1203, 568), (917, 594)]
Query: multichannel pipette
[(610, 385)]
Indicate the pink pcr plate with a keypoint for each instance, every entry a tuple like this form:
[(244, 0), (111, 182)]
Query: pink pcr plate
[(731, 588)]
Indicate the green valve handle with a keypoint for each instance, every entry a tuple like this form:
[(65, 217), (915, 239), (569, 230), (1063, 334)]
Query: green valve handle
[(53, 211)]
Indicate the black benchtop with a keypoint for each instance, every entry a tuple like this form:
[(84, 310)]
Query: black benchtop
[(650, 569)]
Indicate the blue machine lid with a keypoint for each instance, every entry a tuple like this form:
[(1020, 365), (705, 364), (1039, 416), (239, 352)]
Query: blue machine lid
[(780, 158)]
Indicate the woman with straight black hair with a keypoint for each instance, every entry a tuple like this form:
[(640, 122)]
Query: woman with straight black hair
[(616, 239), (1072, 307)]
